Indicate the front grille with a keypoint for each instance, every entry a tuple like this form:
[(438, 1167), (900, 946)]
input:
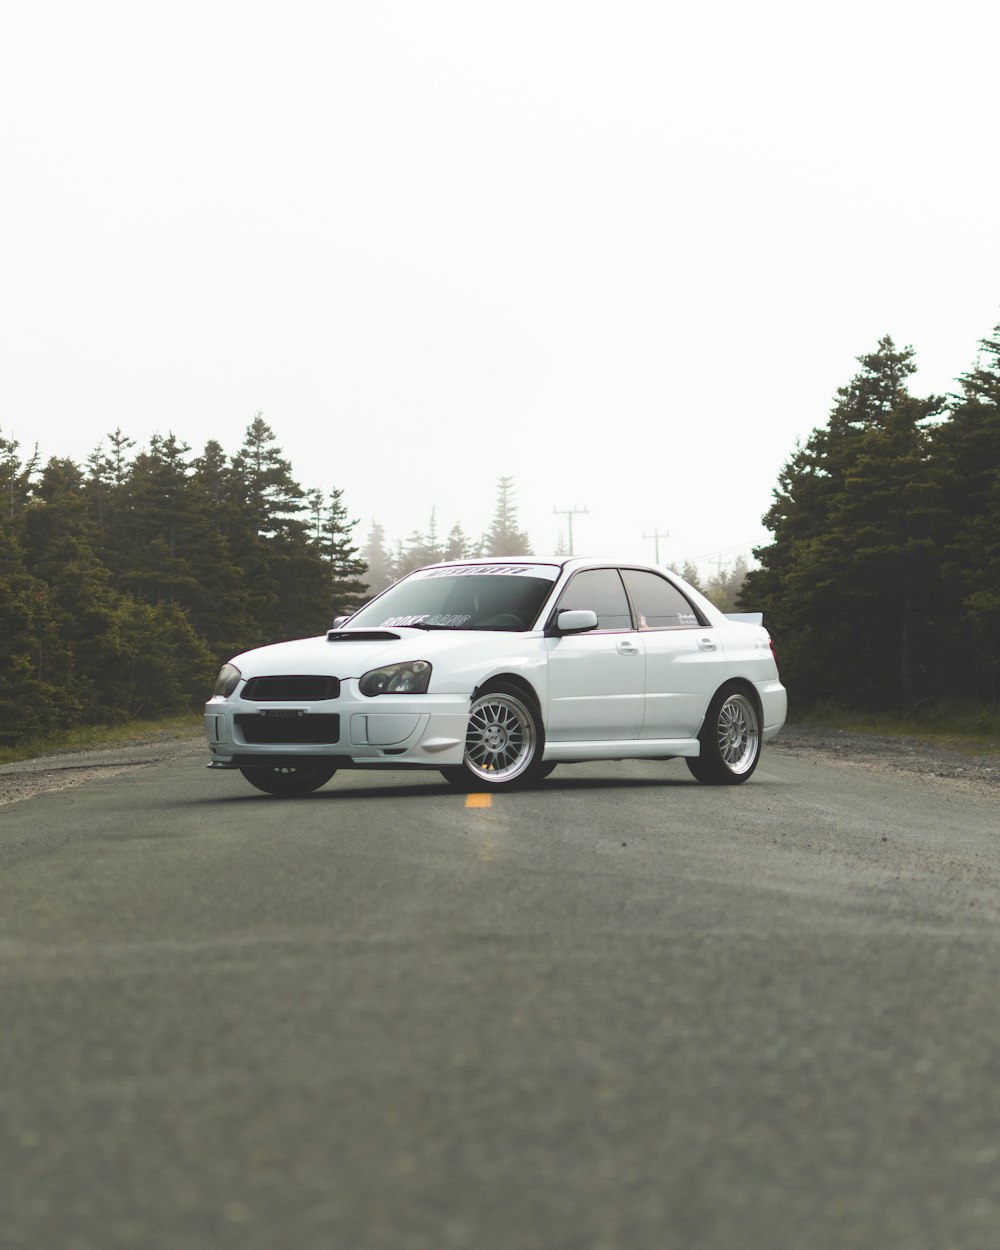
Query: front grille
[(290, 689), (296, 728)]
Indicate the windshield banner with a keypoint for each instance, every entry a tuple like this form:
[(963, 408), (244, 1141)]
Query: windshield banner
[(547, 571)]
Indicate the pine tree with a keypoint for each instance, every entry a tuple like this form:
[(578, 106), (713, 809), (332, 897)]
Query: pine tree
[(457, 546), (270, 539), (857, 520), (107, 489), (15, 478), (377, 560), (689, 571), (58, 508), (503, 538), (421, 548), (272, 500), (967, 457), (225, 612), (347, 586), (724, 585), (33, 699)]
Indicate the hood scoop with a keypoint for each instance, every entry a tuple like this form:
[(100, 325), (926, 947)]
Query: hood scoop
[(362, 635)]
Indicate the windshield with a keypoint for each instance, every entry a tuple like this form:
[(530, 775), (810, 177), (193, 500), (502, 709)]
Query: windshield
[(467, 596)]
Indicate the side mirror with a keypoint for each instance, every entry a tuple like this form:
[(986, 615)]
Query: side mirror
[(339, 620), (576, 621)]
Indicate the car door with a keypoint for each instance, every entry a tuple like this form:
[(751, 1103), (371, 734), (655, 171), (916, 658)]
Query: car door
[(596, 680), (685, 660)]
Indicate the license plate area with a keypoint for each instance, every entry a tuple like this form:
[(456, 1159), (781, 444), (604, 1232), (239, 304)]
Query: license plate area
[(289, 726)]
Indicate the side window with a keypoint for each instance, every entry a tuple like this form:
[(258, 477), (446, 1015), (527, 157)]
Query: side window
[(658, 604), (600, 590)]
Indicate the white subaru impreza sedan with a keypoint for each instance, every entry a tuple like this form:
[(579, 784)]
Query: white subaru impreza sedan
[(494, 671)]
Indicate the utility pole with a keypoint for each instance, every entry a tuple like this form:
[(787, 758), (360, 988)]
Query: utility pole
[(656, 536), (569, 514)]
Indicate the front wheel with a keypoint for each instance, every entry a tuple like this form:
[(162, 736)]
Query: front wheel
[(730, 739), (288, 780), (503, 742)]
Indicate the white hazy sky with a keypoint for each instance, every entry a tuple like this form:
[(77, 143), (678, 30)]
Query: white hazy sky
[(624, 253)]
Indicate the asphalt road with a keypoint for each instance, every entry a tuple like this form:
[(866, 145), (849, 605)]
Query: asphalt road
[(620, 1012)]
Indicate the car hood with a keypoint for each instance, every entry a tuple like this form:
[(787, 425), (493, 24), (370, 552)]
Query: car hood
[(345, 653)]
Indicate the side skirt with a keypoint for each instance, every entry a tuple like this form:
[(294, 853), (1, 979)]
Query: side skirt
[(645, 749)]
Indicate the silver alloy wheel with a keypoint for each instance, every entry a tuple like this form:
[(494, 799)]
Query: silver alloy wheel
[(738, 733), (500, 743)]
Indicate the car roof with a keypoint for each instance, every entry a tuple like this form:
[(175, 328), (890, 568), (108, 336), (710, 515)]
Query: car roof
[(563, 562)]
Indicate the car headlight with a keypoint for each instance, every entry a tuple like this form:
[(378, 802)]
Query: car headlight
[(410, 678), (229, 678)]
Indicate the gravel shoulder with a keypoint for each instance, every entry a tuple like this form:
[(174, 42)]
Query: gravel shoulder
[(964, 765), (26, 779), (961, 766)]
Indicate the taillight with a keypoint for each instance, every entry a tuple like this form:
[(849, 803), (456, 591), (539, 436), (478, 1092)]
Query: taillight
[(773, 652)]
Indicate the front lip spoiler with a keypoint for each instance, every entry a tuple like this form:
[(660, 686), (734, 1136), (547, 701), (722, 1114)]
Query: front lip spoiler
[(283, 761), (317, 761)]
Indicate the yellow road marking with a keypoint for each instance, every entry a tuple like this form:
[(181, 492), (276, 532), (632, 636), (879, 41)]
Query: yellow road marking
[(479, 800)]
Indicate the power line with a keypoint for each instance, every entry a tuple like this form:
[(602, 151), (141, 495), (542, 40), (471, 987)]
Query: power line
[(724, 551)]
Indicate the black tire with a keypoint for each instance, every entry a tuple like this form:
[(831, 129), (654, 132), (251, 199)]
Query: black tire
[(503, 743), (730, 739), (289, 780)]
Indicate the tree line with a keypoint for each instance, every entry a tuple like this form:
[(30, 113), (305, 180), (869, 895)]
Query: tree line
[(386, 560), (124, 582), (881, 581)]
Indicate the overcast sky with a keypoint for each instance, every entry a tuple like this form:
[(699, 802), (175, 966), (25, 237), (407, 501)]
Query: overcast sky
[(622, 252)]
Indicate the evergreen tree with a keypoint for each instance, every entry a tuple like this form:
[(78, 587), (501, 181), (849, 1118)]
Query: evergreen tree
[(225, 610), (457, 545), (107, 488), (15, 478), (689, 571), (86, 612), (58, 508), (857, 520), (724, 586), (33, 701), (347, 587), (167, 518), (422, 547), (270, 537), (503, 538), (967, 458), (272, 500), (377, 560)]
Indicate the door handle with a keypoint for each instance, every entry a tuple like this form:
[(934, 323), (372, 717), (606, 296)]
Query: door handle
[(706, 644), (627, 648)]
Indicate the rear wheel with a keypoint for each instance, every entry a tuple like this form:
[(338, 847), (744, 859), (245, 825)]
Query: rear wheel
[(730, 739), (288, 780), (503, 742)]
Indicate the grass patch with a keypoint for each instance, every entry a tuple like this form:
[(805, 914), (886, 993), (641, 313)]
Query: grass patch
[(98, 736), (973, 727)]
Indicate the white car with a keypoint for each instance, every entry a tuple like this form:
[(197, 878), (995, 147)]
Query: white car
[(495, 671)]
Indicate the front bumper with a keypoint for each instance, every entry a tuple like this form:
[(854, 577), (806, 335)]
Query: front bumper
[(352, 731)]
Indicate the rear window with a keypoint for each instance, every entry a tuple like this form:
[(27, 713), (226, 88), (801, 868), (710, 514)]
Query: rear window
[(658, 603)]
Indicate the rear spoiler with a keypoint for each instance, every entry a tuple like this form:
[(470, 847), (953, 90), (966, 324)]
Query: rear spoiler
[(746, 618)]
